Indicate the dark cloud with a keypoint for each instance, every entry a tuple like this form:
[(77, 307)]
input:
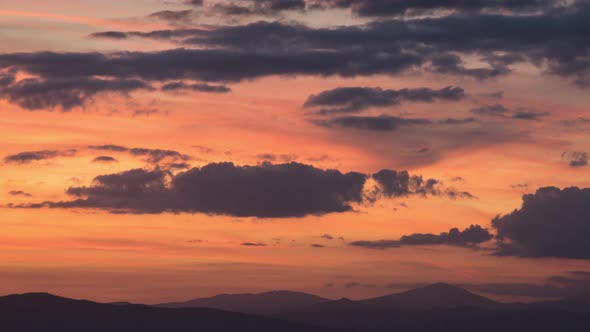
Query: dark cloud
[(167, 15), (19, 193), (153, 156), (550, 223), (327, 237), (378, 123), (265, 190), (258, 7), (196, 3), (579, 159), (356, 99), (109, 35), (30, 156), (253, 244), (404, 7), (315, 245), (286, 190), (469, 237), (219, 65), (105, 159), (555, 41), (199, 87), (386, 123), (148, 112), (64, 92), (500, 111), (273, 157), (392, 183)]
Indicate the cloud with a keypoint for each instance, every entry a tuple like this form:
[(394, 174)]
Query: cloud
[(64, 92), (31, 156), (287, 158), (327, 237), (403, 7), (399, 183), (258, 7), (578, 159), (500, 111), (265, 191), (198, 87), (105, 159), (286, 190), (315, 245), (153, 156), (377, 123), (469, 237), (356, 99), (19, 193), (550, 223), (253, 244), (173, 16), (555, 41)]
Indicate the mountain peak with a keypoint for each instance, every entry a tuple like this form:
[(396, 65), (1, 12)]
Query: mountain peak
[(439, 295)]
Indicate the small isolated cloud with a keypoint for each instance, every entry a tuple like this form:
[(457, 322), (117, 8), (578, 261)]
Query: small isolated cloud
[(31, 156), (105, 160), (253, 244), (19, 193)]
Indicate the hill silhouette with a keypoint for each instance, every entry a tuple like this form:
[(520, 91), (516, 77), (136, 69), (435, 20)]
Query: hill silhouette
[(438, 307), (262, 303), (38, 312)]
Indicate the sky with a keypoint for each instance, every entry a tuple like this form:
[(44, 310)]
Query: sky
[(157, 150)]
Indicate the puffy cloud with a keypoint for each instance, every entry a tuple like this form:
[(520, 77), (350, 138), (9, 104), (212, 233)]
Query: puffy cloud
[(469, 237), (265, 190), (550, 223)]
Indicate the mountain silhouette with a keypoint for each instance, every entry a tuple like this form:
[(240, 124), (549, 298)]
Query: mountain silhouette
[(262, 303), (38, 312), (438, 295), (440, 307)]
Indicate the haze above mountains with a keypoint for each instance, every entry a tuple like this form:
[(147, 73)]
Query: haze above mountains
[(438, 307)]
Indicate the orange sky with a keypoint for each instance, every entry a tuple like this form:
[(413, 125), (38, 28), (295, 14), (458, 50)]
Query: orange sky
[(165, 257)]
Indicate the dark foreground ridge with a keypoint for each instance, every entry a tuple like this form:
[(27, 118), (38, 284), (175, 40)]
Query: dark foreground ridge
[(47, 313), (438, 307)]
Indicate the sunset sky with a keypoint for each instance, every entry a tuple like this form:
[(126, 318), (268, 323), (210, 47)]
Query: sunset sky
[(161, 150)]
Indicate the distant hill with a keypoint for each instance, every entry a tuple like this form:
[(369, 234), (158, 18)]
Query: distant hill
[(434, 296), (442, 307), (40, 312), (263, 303)]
